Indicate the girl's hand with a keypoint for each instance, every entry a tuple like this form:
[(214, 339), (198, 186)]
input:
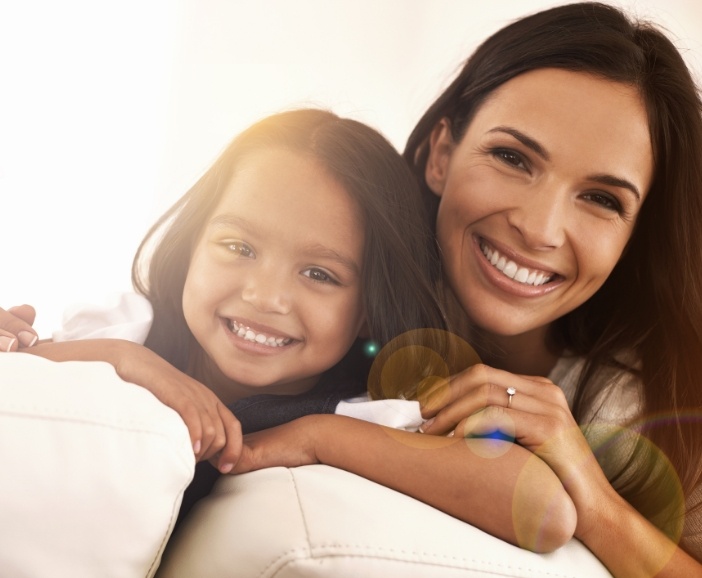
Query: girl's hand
[(213, 428), (214, 431), (476, 403), (16, 328), (288, 445)]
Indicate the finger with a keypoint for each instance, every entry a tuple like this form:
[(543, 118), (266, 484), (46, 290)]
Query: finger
[(445, 392), (512, 392), (8, 342), (17, 323), (192, 420), (25, 312), (214, 436), (231, 452)]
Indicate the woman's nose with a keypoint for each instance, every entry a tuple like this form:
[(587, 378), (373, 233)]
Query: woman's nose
[(541, 218), (268, 291)]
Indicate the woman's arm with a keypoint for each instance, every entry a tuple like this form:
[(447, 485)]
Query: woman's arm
[(540, 420), (494, 485), (214, 430)]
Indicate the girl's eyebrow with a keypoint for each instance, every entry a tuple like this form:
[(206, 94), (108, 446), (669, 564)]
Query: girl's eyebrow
[(316, 250), (532, 144), (225, 220)]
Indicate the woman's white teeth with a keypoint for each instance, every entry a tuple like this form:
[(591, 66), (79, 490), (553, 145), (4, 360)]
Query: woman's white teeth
[(250, 335), (514, 271)]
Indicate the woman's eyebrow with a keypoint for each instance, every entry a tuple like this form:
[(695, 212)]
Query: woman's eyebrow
[(604, 179), (527, 141)]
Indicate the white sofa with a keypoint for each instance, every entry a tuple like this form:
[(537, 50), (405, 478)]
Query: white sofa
[(93, 472)]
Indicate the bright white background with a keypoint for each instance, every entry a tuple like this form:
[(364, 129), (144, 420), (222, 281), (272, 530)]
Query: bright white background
[(110, 110)]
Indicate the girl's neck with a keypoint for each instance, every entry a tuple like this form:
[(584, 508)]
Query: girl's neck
[(527, 353)]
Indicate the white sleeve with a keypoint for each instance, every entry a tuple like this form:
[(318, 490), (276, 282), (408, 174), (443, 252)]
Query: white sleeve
[(126, 316), (396, 413)]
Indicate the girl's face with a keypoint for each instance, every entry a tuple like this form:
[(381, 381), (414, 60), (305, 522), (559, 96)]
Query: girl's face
[(540, 196), (273, 292)]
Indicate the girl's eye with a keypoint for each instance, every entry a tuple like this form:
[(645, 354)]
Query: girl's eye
[(240, 248), (511, 158), (604, 200), (319, 276)]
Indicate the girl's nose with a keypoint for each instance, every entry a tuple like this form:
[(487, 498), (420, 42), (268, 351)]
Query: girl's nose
[(267, 292)]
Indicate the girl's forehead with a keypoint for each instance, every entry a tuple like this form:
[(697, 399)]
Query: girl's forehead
[(289, 194)]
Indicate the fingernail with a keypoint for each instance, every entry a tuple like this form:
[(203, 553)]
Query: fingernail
[(426, 425), (197, 446), (27, 338), (6, 342), (226, 468)]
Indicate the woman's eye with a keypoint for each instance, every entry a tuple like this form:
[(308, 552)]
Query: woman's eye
[(319, 276), (605, 200), (240, 248), (510, 157)]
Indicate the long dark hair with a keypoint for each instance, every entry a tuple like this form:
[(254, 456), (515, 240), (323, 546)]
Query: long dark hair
[(652, 302), (398, 269)]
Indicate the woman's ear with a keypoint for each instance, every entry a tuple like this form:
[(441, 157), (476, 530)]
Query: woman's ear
[(441, 146)]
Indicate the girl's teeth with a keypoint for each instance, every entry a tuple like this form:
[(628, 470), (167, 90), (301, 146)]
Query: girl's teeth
[(512, 270), (250, 335)]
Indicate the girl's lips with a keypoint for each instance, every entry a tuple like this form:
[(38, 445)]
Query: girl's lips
[(512, 274)]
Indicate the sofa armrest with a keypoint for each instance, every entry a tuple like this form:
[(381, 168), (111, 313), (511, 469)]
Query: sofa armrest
[(93, 471), (319, 521)]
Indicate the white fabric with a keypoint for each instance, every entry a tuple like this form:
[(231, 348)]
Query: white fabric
[(126, 316), (321, 522), (93, 471)]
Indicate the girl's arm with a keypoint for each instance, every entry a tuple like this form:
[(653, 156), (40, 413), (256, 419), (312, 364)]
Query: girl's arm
[(494, 485), (214, 430), (540, 420)]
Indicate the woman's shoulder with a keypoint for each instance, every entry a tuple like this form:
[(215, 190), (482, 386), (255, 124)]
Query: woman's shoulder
[(615, 392)]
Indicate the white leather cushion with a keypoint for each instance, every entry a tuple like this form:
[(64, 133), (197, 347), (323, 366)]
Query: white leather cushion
[(318, 521), (93, 471)]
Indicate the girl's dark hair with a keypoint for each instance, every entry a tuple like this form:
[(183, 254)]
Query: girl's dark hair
[(652, 302), (398, 269)]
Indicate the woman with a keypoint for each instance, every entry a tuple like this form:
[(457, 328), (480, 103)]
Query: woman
[(582, 263), (563, 169)]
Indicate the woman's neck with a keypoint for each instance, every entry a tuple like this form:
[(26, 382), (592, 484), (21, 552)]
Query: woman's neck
[(527, 353)]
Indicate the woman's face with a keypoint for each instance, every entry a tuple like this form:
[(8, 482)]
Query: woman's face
[(540, 196), (273, 292)]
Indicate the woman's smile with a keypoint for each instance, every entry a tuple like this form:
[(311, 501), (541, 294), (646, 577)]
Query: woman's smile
[(513, 273)]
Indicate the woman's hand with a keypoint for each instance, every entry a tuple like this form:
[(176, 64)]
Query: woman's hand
[(16, 328), (477, 403)]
